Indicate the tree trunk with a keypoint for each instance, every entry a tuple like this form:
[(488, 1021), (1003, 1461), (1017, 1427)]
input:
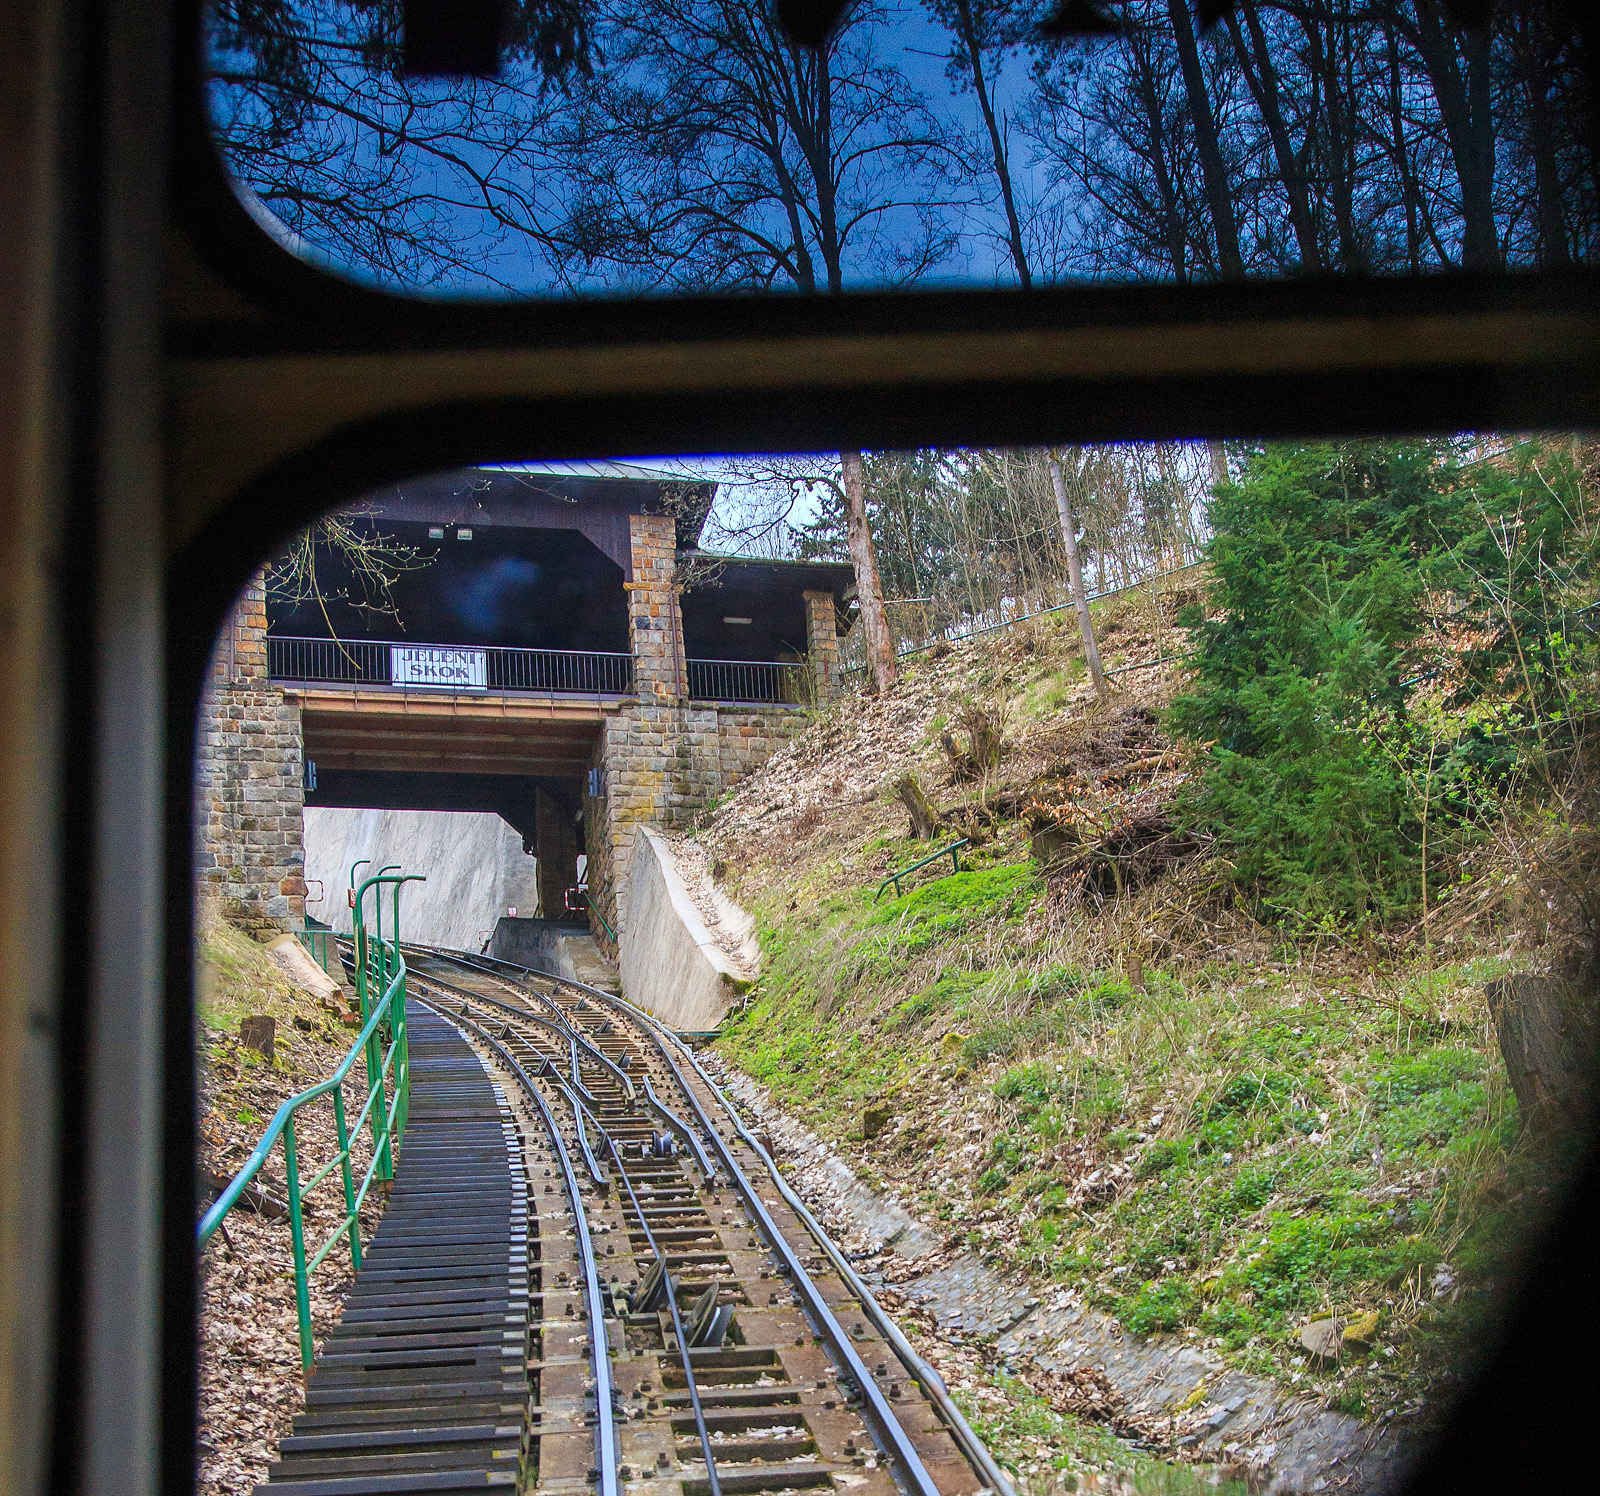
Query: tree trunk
[(997, 144), (1400, 151), (1174, 227), (1481, 246), (1219, 462), (1262, 77), (1547, 1030), (924, 818), (259, 1032), (1080, 598), (881, 668), (1533, 47), (1462, 91), (1208, 145)]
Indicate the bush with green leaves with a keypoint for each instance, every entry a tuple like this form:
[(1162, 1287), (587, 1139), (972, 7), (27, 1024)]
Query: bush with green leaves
[(1331, 565)]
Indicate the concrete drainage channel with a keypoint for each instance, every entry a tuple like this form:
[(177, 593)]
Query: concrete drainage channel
[(1182, 1395)]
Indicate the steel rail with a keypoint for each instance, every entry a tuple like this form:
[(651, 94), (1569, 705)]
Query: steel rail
[(671, 1289), (921, 1372), (597, 1175), (605, 1438), (609, 1143), (879, 1415), (477, 964), (558, 1023), (661, 1109), (919, 1369), (574, 1039)]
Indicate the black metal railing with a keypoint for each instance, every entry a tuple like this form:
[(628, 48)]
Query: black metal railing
[(371, 663), (757, 681), (358, 661)]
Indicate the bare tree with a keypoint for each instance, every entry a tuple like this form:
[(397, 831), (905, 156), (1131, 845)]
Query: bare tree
[(1080, 597), (882, 669), (712, 151), (688, 145), (410, 181), (982, 31), (1208, 142), (344, 559)]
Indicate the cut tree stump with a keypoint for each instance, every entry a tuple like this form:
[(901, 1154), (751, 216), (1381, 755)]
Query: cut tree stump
[(986, 744), (259, 1032), (1547, 1031), (924, 818)]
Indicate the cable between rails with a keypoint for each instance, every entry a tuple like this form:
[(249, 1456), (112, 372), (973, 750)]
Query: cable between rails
[(879, 1415), (918, 1368), (560, 1024), (590, 1266)]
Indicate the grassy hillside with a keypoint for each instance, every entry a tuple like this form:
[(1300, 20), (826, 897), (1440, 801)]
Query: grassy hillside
[(1127, 1084)]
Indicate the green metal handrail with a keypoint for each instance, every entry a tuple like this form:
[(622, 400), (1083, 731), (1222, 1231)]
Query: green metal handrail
[(315, 940), (594, 909), (953, 852), (378, 964), (383, 1042)]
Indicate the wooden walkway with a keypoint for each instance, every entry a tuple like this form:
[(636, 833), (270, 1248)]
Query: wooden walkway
[(423, 1385)]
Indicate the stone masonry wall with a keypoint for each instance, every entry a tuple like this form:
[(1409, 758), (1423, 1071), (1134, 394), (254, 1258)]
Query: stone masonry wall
[(250, 783), (822, 644), (662, 758), (659, 765), (655, 615)]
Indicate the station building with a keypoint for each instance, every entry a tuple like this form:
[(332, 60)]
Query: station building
[(555, 646)]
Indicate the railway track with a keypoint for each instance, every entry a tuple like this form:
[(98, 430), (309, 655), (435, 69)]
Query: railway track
[(692, 1332)]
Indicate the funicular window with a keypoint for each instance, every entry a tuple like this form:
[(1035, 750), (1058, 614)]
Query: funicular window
[(693, 146), (1240, 981)]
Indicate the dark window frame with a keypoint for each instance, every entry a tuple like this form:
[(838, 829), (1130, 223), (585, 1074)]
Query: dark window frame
[(236, 298)]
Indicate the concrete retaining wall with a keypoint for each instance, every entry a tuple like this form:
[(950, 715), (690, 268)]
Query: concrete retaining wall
[(474, 862), (547, 945), (659, 765), (671, 964)]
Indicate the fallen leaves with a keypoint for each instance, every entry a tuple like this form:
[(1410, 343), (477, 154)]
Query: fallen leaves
[(250, 1374)]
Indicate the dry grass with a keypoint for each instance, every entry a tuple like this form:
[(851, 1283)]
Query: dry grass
[(1078, 1082)]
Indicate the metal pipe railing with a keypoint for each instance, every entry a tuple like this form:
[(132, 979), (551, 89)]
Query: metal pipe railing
[(761, 682), (383, 1042), (953, 852), (370, 662)]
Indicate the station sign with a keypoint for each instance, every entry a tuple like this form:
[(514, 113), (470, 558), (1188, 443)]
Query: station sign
[(440, 668)]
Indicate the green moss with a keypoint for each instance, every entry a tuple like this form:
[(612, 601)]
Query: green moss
[(1157, 1307), (947, 906), (1162, 1154), (952, 995), (1225, 1153), (1429, 1098), (1025, 1433)]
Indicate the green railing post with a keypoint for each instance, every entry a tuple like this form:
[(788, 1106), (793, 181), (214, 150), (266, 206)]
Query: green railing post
[(382, 1042), (297, 1235), (349, 1178), (595, 909), (397, 1027), (954, 852), (380, 1108), (387, 968), (360, 941)]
